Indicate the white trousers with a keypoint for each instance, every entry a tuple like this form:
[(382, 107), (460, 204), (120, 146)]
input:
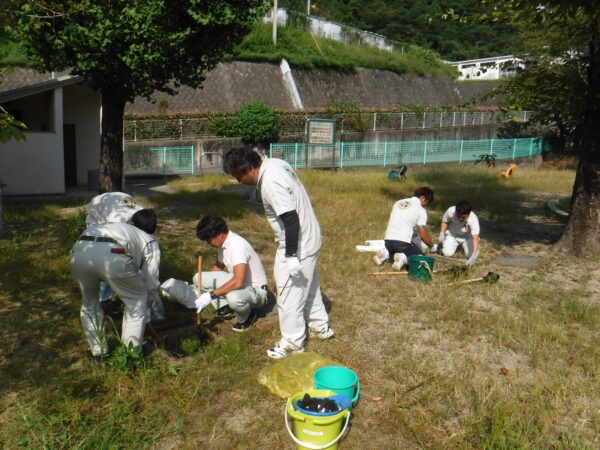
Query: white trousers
[(299, 301), (451, 243), (92, 262)]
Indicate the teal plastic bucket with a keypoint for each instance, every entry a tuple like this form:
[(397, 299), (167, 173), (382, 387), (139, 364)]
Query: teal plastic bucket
[(340, 380), (420, 267)]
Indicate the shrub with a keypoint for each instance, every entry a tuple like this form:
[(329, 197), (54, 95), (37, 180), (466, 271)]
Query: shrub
[(257, 123)]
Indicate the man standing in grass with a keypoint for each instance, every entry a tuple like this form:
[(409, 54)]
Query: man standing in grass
[(290, 214), (127, 257), (407, 215), (460, 226), (243, 288)]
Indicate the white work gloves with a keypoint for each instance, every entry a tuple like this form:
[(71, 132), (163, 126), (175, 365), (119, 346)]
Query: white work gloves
[(441, 237), (472, 259), (293, 265), (202, 302), (434, 248)]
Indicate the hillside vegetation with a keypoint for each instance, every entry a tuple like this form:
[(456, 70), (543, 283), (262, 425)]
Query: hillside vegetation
[(301, 49), (419, 22)]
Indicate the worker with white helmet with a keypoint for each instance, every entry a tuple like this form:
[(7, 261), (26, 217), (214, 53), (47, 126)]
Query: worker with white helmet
[(460, 226), (290, 214), (127, 257)]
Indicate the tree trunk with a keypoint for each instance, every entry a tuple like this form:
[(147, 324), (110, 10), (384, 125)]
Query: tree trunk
[(111, 144), (581, 236)]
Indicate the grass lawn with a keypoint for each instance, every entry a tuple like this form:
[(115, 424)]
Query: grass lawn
[(510, 365)]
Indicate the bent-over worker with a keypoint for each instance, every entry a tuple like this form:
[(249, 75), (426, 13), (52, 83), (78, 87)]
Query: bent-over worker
[(460, 226)]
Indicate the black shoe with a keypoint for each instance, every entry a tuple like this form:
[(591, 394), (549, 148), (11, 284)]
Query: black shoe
[(224, 312), (241, 327)]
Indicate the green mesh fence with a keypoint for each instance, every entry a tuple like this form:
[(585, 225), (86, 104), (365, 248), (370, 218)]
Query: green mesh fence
[(165, 160), (355, 154)]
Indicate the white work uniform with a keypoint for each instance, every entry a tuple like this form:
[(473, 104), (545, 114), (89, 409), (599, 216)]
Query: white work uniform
[(128, 260), (235, 250), (300, 303), (406, 214), (111, 207), (459, 233)]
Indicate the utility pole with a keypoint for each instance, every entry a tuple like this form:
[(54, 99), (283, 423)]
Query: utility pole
[(308, 7), (274, 22)]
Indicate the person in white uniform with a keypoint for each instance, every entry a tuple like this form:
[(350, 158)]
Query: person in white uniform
[(243, 287), (127, 257), (119, 207), (460, 226), (290, 214), (408, 215)]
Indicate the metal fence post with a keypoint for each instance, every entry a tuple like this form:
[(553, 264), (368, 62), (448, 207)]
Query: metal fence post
[(401, 121), (425, 153), (424, 119), (454, 119), (180, 129), (374, 121), (164, 160), (342, 155), (296, 156), (492, 146), (462, 144), (271, 150), (530, 146), (193, 161), (514, 147), (135, 131), (464, 118), (385, 150), (441, 118)]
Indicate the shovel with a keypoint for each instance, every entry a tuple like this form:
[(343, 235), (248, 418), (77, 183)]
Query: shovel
[(199, 330), (453, 261), (490, 278)]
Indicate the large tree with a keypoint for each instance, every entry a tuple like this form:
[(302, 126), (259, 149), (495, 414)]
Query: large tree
[(563, 83), (130, 48)]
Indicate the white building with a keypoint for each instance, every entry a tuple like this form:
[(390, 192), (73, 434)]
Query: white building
[(62, 140), (493, 68)]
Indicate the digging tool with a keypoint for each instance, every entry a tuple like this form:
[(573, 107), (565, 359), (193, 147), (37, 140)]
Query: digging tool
[(283, 289), (490, 278), (446, 259), (395, 273), (198, 317)]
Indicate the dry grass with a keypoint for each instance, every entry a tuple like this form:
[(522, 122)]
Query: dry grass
[(429, 357)]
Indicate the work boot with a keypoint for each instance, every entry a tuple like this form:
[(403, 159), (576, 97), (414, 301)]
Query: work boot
[(381, 256), (400, 261)]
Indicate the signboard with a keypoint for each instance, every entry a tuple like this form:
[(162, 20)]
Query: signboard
[(320, 132)]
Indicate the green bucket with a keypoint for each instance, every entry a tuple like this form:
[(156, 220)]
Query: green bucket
[(315, 432), (420, 267), (340, 380)]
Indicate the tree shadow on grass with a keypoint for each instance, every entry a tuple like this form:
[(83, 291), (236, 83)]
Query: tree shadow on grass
[(508, 215)]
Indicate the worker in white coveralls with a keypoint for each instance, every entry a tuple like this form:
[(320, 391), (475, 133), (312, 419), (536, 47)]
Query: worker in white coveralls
[(127, 257), (114, 207), (408, 215), (290, 214), (240, 290), (460, 226)]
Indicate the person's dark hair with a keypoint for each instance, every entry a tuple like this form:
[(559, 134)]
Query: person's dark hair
[(424, 192), (241, 160), (463, 208), (145, 220), (210, 227)]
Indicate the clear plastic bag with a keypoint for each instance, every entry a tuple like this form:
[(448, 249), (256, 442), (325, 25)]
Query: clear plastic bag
[(293, 374)]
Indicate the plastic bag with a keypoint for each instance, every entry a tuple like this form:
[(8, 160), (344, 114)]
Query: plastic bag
[(293, 374)]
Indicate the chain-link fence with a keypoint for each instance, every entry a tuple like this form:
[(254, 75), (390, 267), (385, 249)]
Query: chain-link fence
[(295, 123), (164, 160), (360, 154)]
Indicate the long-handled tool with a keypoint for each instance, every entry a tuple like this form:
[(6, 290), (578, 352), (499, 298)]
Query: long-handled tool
[(395, 273), (491, 278), (446, 259)]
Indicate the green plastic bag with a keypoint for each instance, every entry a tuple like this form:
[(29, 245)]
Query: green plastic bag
[(293, 374)]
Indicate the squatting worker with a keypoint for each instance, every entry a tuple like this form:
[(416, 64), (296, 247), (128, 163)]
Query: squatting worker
[(297, 231), (407, 216), (113, 207), (460, 226), (242, 289), (127, 257)]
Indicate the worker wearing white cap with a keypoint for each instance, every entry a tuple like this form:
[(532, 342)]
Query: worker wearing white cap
[(119, 207), (127, 257), (241, 289), (460, 226), (290, 214), (408, 215)]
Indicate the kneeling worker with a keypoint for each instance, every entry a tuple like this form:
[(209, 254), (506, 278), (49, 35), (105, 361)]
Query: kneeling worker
[(243, 288), (127, 257), (460, 226)]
